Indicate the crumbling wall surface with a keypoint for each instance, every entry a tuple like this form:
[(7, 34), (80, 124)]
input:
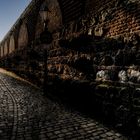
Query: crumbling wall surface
[(118, 17), (96, 61), (93, 60), (103, 38)]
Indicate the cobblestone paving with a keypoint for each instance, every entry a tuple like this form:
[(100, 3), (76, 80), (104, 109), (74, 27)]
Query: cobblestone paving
[(26, 115)]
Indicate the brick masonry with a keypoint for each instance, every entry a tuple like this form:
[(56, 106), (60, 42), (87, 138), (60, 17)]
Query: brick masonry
[(95, 54)]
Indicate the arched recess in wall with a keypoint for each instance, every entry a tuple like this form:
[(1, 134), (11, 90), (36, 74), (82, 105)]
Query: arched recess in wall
[(12, 44), (23, 36), (6, 48), (54, 17), (1, 51)]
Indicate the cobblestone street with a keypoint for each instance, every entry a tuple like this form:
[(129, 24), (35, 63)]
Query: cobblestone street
[(25, 114)]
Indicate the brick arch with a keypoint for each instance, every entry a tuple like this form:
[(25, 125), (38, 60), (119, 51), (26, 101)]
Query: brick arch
[(11, 44), (39, 27), (54, 16), (23, 36), (1, 51), (6, 48)]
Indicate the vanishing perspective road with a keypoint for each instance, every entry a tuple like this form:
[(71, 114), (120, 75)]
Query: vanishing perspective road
[(25, 114)]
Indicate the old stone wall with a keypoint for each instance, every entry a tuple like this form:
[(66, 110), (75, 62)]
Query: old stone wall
[(93, 59)]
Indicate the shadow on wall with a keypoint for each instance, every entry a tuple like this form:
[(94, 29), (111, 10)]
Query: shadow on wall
[(108, 97)]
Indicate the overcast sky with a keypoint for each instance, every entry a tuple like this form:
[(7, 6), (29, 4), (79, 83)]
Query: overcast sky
[(10, 10)]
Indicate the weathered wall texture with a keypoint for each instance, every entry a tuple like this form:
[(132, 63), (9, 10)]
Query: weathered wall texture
[(95, 52), (23, 36)]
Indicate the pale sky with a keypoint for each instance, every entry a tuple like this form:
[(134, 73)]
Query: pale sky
[(10, 10)]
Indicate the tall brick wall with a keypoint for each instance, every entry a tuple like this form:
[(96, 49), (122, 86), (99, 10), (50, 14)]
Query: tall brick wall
[(95, 55), (99, 34)]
